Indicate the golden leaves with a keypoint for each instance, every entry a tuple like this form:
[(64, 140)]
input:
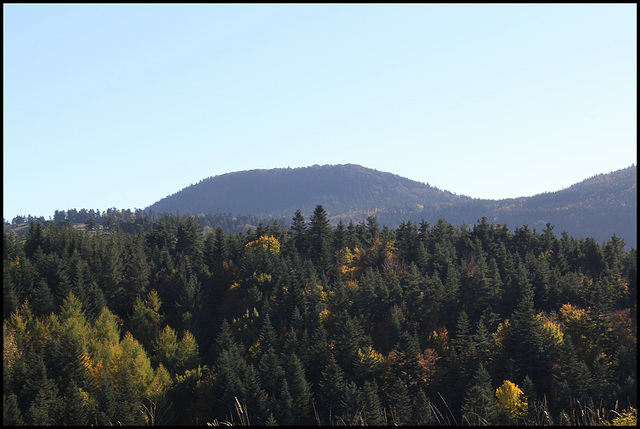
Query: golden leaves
[(511, 402), (268, 242)]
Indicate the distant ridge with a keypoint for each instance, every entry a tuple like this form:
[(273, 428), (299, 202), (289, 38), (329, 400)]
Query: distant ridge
[(281, 191), (598, 207)]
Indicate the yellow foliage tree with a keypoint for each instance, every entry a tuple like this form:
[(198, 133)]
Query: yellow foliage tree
[(511, 403), (10, 350), (268, 242), (551, 331)]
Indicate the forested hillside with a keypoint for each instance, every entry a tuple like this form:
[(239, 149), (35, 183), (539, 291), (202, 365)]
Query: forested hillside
[(281, 191), (597, 207), (151, 321)]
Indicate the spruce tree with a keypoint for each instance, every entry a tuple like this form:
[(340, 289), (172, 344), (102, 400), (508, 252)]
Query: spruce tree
[(351, 405), (128, 411), (300, 391), (75, 410), (399, 401), (11, 415), (422, 415), (331, 388), (478, 406), (320, 238), (271, 372), (372, 408), (107, 401), (299, 228), (285, 405)]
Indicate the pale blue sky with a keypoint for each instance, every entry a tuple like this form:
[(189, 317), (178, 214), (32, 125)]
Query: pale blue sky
[(120, 105)]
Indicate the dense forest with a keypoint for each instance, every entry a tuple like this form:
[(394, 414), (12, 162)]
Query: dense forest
[(167, 321)]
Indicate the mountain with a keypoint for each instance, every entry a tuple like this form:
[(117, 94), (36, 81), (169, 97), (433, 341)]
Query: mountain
[(280, 192), (597, 207)]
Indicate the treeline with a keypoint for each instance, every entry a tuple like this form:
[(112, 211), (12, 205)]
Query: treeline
[(128, 221), (170, 323)]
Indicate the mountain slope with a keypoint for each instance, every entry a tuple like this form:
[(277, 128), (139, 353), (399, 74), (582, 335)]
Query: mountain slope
[(597, 207), (279, 192)]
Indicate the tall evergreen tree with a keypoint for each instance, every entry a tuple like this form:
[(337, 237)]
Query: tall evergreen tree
[(399, 402), (107, 402), (422, 415), (11, 415), (300, 391), (76, 413), (298, 229), (372, 408), (331, 388), (525, 334), (478, 407), (320, 238)]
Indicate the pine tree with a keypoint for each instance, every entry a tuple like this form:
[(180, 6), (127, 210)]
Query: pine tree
[(478, 407), (256, 400), (372, 409), (422, 415), (38, 394), (128, 411), (34, 239), (300, 391), (571, 377), (107, 402), (399, 401), (189, 239), (298, 228), (75, 410), (318, 355), (11, 415), (525, 334), (351, 405), (320, 238), (271, 372), (285, 405), (268, 337), (408, 366), (41, 411), (331, 388), (146, 321)]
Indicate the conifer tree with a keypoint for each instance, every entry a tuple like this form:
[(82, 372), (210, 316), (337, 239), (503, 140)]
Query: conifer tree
[(300, 391), (298, 228), (422, 415), (107, 401), (285, 405), (42, 410), (76, 412), (478, 407), (351, 405), (37, 394), (331, 388), (146, 320), (11, 415), (256, 400), (128, 411), (271, 372), (372, 408), (399, 401), (525, 334), (320, 238)]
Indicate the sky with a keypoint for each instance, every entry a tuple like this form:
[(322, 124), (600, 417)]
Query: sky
[(120, 105)]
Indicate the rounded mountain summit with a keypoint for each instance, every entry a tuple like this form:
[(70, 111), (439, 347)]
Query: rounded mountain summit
[(340, 189)]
